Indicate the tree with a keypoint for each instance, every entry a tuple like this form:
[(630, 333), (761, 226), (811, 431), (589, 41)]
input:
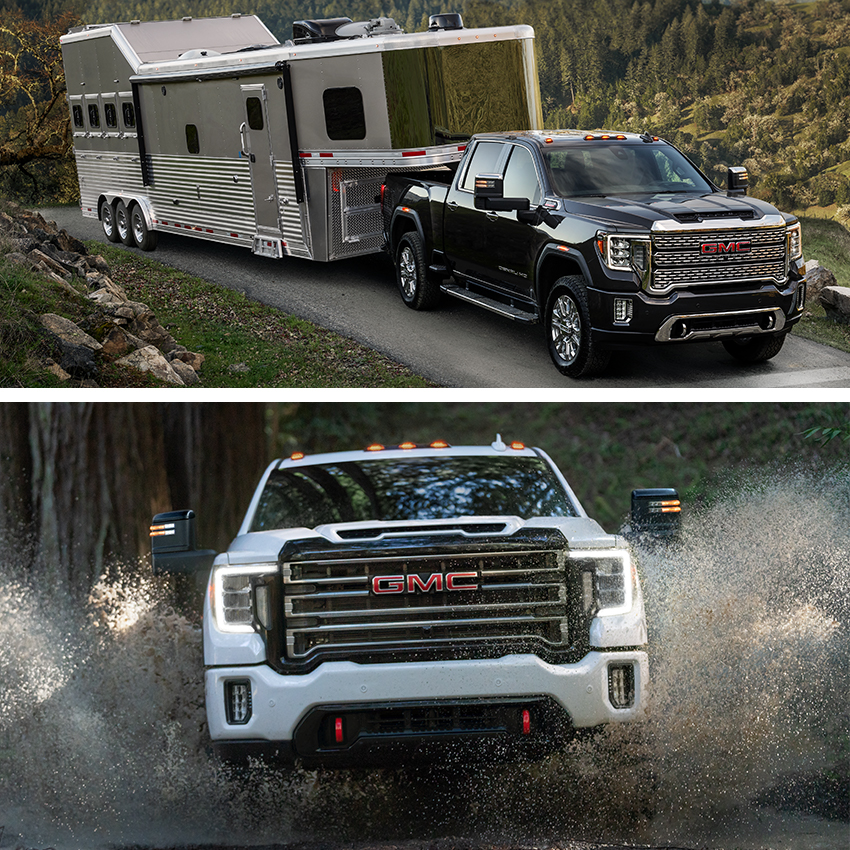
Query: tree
[(35, 121), (80, 482)]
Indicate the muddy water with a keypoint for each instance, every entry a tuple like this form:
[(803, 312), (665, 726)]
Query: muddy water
[(102, 738)]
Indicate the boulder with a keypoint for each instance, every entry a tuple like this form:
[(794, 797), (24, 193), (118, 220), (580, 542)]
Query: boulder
[(836, 301), (817, 277), (66, 331), (187, 374), (150, 359), (190, 358)]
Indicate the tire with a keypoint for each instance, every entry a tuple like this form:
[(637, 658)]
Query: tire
[(107, 222), (122, 224), (754, 349), (417, 291), (568, 336), (143, 237)]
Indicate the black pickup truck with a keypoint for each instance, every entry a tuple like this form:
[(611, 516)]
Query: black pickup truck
[(607, 239)]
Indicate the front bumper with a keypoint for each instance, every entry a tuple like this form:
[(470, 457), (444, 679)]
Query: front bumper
[(284, 706), (686, 316)]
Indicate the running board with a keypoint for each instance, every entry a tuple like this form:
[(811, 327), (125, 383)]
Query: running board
[(491, 304)]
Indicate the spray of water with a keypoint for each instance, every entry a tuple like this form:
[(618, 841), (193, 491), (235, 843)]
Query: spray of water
[(103, 740)]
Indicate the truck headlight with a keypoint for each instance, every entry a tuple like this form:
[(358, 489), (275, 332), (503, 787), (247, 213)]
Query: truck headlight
[(607, 581), (626, 253), (795, 242), (239, 601)]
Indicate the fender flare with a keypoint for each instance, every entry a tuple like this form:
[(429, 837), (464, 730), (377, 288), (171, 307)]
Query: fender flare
[(552, 250)]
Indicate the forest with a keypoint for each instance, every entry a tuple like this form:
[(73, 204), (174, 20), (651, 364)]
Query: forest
[(756, 83), (80, 482)]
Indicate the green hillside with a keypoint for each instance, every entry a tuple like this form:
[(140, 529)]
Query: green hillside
[(756, 83)]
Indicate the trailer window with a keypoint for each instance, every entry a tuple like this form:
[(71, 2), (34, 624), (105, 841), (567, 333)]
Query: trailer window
[(78, 116), (192, 141), (344, 114), (129, 114), (94, 115), (110, 115), (255, 113)]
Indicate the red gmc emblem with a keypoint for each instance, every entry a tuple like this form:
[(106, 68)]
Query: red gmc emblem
[(725, 247), (416, 583)]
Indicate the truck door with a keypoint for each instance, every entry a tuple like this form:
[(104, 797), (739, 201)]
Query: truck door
[(511, 244), (464, 227), (256, 145)]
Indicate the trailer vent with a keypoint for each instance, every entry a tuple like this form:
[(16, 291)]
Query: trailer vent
[(311, 32), (449, 21)]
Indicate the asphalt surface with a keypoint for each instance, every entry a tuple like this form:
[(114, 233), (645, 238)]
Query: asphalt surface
[(459, 345)]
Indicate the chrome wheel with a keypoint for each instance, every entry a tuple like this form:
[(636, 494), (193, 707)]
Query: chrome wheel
[(407, 272), (107, 222), (122, 223), (566, 328), (139, 229)]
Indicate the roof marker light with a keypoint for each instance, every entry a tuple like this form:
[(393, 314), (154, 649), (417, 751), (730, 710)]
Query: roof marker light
[(297, 456), (407, 445), (439, 444), (517, 445), (375, 447)]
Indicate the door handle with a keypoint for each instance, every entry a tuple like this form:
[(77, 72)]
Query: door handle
[(452, 205), (492, 216), (244, 148)]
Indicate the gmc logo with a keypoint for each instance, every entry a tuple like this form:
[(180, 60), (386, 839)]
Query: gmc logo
[(416, 583), (725, 247)]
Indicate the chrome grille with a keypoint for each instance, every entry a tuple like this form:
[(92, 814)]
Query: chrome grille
[(329, 604), (678, 259)]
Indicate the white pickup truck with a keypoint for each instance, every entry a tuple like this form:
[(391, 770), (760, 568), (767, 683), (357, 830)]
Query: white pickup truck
[(378, 605)]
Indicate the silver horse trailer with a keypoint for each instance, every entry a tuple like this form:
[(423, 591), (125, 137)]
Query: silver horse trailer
[(212, 128)]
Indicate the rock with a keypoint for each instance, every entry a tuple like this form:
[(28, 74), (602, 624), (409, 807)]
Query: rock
[(187, 374), (66, 331), (40, 258), (55, 369), (238, 368), (96, 262), (117, 343), (817, 277), (190, 358), (18, 258), (150, 359), (836, 301), (106, 290), (71, 244)]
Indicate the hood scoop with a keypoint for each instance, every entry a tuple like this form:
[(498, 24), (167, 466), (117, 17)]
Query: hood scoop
[(704, 209), (390, 531)]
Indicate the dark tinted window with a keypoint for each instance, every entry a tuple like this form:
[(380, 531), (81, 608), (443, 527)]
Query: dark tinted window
[(78, 115), (410, 489), (129, 114), (110, 115), (94, 115), (192, 142), (255, 113), (344, 115), (622, 169)]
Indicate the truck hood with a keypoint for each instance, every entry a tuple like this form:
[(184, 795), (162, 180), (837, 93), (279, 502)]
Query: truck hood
[(643, 211), (264, 546)]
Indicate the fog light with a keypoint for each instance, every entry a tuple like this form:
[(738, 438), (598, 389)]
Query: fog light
[(237, 702), (623, 310), (801, 296), (621, 685)]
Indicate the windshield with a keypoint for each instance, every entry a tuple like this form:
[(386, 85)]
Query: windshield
[(619, 169), (413, 488)]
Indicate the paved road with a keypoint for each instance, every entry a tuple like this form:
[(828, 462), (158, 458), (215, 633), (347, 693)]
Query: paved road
[(459, 345)]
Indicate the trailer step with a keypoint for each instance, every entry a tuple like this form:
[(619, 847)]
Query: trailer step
[(491, 304)]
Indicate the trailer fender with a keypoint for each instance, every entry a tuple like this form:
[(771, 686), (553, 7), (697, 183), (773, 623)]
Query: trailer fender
[(143, 203)]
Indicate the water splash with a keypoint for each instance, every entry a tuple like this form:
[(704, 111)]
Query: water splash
[(103, 738)]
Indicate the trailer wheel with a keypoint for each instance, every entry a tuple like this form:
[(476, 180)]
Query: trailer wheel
[(107, 222), (122, 224), (754, 349), (571, 346), (143, 236), (417, 291)]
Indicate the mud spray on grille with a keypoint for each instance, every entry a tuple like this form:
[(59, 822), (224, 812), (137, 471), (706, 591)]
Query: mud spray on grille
[(102, 738)]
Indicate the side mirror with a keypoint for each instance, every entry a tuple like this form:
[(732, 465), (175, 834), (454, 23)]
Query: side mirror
[(173, 547), (737, 180), (656, 512), (489, 195)]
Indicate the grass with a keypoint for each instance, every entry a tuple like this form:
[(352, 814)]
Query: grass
[(828, 243), (244, 344)]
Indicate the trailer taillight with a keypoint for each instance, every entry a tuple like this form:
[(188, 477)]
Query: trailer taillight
[(383, 192)]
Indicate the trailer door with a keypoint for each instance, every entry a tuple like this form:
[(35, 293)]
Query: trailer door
[(256, 145)]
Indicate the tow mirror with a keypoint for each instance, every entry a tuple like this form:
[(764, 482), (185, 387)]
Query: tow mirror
[(173, 547), (656, 512), (489, 195), (737, 180)]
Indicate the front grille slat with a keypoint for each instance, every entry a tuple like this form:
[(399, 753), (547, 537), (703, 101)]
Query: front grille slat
[(678, 260), (519, 596)]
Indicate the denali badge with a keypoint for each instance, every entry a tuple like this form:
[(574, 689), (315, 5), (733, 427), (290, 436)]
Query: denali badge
[(416, 583), (725, 247)]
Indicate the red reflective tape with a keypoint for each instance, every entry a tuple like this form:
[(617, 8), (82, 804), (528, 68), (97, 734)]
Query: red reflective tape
[(235, 235), (413, 153), (325, 155), (462, 148), (305, 155), (210, 231)]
